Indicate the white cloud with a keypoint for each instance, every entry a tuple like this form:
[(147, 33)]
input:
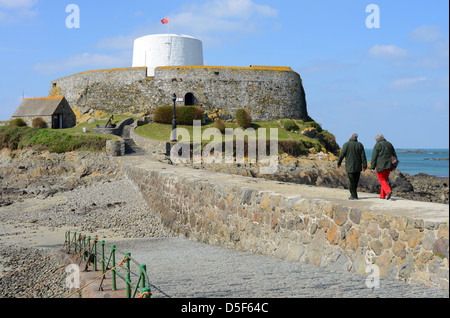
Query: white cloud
[(223, 16), (204, 21), (82, 62), (388, 52), (17, 4), (427, 33), (420, 84), (14, 11), (408, 83)]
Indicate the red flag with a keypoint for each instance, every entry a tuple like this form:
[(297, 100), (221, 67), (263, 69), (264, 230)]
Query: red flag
[(165, 21)]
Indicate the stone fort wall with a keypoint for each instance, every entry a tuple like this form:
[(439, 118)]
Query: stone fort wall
[(267, 92)]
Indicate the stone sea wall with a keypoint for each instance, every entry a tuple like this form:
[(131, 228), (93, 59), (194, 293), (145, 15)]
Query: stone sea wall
[(291, 227), (267, 92)]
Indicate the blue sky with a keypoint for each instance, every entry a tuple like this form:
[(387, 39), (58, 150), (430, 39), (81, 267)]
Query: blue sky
[(393, 79)]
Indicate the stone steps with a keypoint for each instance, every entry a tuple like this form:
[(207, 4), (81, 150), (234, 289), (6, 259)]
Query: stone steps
[(131, 149)]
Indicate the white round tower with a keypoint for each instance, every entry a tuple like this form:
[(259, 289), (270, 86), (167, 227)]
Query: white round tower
[(166, 50)]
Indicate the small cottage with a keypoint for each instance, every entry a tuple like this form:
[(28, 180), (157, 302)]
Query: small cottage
[(55, 111)]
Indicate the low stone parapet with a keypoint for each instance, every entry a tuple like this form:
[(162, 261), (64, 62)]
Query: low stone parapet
[(115, 148), (117, 130)]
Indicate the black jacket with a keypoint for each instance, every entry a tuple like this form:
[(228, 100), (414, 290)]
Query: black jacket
[(355, 156)]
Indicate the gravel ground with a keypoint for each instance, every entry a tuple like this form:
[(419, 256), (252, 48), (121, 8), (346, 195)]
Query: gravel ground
[(33, 279), (32, 228), (113, 205)]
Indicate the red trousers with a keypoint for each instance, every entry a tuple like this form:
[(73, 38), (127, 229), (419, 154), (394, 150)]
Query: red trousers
[(383, 177)]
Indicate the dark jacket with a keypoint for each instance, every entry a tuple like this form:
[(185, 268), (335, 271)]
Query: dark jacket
[(355, 156), (381, 158)]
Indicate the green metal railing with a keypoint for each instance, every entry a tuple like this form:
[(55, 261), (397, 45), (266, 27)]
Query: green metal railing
[(88, 246)]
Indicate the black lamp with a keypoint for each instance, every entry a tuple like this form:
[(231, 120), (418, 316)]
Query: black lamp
[(174, 121)]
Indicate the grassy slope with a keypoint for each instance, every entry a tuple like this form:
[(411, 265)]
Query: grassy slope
[(52, 140), (287, 139)]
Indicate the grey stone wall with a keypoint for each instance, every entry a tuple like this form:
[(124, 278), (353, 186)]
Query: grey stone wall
[(267, 92), (115, 90), (115, 148), (69, 118), (29, 120)]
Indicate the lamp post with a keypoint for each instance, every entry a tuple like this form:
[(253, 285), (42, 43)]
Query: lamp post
[(174, 121)]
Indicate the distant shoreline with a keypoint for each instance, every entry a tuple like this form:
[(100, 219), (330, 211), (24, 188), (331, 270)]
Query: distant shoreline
[(414, 161)]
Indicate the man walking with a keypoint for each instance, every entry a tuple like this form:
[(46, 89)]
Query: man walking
[(355, 162), (381, 162)]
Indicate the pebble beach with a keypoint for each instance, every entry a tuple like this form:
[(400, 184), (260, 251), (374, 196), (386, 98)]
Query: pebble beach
[(31, 229)]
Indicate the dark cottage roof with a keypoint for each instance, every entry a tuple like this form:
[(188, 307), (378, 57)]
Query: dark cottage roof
[(41, 106)]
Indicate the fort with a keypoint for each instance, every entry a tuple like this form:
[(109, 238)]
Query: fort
[(267, 92), (168, 64)]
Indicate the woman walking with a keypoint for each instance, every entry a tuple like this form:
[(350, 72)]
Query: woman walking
[(381, 162)]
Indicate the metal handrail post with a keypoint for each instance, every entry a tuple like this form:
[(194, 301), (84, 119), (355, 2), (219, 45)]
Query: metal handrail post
[(68, 242), (103, 257), (76, 242), (113, 279), (95, 253), (84, 247), (142, 270), (144, 291), (128, 257)]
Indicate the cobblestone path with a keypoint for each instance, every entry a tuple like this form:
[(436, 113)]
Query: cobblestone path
[(185, 269)]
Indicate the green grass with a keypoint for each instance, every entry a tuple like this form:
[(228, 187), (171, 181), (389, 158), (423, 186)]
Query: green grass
[(290, 142), (71, 139), (162, 132), (56, 141)]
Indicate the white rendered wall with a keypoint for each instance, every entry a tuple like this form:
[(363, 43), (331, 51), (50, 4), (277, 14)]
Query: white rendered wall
[(166, 50)]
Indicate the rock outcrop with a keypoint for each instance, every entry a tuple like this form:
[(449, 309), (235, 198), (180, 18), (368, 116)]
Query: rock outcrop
[(29, 173)]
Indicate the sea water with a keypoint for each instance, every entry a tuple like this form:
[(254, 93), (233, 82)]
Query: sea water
[(415, 161)]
